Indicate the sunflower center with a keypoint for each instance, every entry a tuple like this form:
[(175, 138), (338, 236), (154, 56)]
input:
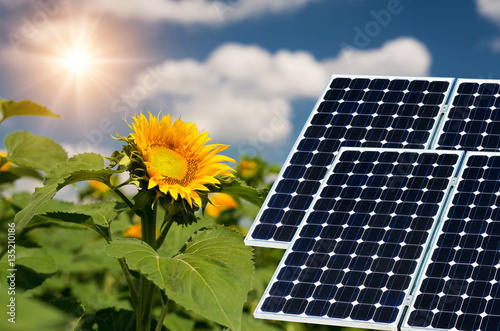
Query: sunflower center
[(170, 163)]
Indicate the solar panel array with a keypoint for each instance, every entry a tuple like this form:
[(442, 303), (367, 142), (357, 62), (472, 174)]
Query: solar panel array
[(460, 288), (395, 232), (390, 112), (356, 252)]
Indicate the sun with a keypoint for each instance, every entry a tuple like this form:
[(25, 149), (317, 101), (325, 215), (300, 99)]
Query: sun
[(77, 60)]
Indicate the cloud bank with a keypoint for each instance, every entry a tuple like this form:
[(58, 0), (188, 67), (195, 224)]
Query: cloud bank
[(240, 92), (196, 11)]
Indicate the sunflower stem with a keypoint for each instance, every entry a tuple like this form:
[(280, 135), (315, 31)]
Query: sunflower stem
[(163, 314), (121, 195), (168, 220), (130, 282), (146, 288)]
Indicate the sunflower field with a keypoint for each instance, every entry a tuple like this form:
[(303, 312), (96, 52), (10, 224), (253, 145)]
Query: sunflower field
[(153, 241)]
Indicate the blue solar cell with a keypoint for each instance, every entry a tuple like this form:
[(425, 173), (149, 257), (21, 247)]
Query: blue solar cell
[(353, 258), (460, 286), (353, 111), (473, 120)]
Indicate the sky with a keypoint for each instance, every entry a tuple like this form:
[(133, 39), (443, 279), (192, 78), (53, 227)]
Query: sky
[(247, 72)]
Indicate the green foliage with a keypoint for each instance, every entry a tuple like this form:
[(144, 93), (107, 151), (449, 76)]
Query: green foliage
[(238, 189), (30, 151), (36, 259), (175, 322), (96, 216), (12, 108), (15, 173), (210, 276), (87, 166), (111, 320), (32, 314)]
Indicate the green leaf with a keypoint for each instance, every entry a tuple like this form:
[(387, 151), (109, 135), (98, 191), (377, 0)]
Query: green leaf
[(7, 177), (22, 108), (96, 216), (111, 320), (87, 166), (4, 266), (237, 188), (26, 172), (174, 322), (91, 215), (15, 173), (210, 276), (36, 259), (178, 235), (250, 323), (144, 200), (75, 251), (28, 150)]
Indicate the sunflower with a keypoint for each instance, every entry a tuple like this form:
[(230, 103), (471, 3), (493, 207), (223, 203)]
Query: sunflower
[(220, 202), (135, 231), (176, 158), (98, 186), (248, 168)]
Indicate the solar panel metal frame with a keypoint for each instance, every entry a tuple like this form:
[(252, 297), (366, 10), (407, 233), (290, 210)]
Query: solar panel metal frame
[(433, 242), (438, 118), (258, 313), (440, 129)]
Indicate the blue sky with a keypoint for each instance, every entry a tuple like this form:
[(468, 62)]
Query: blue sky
[(248, 72)]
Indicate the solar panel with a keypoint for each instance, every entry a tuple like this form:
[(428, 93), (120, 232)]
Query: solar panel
[(473, 120), (363, 111), (353, 259), (460, 288)]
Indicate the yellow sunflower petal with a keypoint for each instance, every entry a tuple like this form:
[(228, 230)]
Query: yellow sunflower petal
[(151, 184), (5, 166)]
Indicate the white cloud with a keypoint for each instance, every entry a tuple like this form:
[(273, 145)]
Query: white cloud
[(178, 11), (240, 92), (196, 11), (489, 9), (495, 45)]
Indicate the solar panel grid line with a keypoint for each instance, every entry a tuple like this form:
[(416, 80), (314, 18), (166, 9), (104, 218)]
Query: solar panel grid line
[(459, 288), (435, 234), (395, 183), (404, 116), (473, 119), (445, 108)]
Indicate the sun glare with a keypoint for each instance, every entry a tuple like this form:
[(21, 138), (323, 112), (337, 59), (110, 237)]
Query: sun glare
[(78, 60)]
